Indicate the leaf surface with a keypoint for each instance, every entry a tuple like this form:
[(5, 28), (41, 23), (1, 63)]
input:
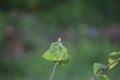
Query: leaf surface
[(57, 53), (97, 67), (110, 60)]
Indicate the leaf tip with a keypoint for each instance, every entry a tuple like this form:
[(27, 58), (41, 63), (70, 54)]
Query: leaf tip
[(59, 39)]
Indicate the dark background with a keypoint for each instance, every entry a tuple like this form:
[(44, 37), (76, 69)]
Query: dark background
[(90, 29)]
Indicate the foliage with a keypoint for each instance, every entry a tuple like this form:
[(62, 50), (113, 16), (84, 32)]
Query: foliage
[(35, 39), (58, 54), (99, 68)]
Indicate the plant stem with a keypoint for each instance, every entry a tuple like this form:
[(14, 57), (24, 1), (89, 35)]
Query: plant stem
[(53, 71), (102, 70)]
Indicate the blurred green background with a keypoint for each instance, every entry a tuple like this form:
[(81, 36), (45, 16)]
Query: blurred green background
[(90, 29)]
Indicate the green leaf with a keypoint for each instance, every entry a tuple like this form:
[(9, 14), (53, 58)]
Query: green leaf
[(105, 77), (114, 53), (97, 67), (57, 53), (110, 60)]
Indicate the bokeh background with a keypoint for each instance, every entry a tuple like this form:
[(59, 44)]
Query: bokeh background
[(90, 29)]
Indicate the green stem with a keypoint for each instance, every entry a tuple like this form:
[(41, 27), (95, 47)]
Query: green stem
[(102, 70), (53, 71)]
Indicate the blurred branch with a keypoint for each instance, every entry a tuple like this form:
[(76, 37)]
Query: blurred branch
[(53, 71), (102, 70)]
